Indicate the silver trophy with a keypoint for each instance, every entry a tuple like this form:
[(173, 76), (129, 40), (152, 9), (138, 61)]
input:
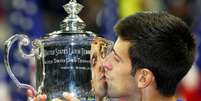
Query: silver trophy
[(62, 58)]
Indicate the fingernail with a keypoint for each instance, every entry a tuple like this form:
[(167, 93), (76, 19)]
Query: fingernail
[(65, 94), (39, 97)]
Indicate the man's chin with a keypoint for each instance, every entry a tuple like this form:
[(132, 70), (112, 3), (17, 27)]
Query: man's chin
[(111, 93), (101, 92), (115, 94), (100, 88)]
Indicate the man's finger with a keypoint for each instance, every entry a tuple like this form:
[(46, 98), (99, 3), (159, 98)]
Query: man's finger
[(30, 93), (69, 97), (57, 99), (36, 98), (42, 97)]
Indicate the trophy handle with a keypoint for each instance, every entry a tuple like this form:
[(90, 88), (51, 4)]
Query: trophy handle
[(23, 41)]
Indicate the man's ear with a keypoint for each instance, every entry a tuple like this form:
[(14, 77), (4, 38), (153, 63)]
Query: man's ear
[(144, 78)]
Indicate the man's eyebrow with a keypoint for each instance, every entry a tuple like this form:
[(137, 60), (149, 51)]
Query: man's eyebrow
[(115, 53)]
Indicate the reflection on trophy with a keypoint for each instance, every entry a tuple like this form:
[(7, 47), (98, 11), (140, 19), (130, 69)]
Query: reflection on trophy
[(62, 58), (100, 47)]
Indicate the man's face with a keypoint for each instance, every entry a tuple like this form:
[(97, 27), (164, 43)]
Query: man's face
[(98, 53), (117, 65)]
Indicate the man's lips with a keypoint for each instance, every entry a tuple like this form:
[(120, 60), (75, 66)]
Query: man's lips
[(107, 77), (102, 77)]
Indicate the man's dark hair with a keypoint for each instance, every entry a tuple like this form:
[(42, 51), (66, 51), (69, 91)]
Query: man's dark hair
[(162, 43)]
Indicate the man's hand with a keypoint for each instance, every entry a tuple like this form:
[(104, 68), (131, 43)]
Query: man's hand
[(33, 97), (69, 97), (43, 97)]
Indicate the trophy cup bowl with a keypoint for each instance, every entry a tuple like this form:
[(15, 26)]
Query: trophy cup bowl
[(62, 58)]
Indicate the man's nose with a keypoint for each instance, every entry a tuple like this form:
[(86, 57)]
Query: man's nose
[(107, 66)]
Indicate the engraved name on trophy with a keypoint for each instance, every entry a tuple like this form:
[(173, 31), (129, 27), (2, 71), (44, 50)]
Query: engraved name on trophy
[(62, 58)]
